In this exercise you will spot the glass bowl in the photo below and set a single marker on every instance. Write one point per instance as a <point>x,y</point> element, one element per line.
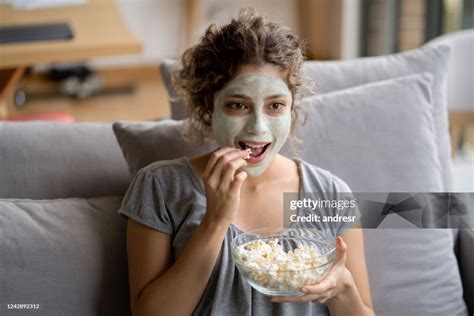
<point>279,261</point>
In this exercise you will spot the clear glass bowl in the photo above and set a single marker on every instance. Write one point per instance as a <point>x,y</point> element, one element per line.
<point>278,262</point>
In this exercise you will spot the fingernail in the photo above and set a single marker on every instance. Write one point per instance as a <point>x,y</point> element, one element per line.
<point>304,290</point>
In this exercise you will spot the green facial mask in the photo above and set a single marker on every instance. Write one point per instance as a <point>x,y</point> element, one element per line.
<point>257,123</point>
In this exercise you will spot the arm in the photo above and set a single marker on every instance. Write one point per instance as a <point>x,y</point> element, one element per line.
<point>355,297</point>
<point>159,287</point>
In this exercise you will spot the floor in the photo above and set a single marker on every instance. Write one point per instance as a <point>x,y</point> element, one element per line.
<point>147,100</point>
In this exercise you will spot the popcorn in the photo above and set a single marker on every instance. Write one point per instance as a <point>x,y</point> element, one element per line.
<point>249,151</point>
<point>279,270</point>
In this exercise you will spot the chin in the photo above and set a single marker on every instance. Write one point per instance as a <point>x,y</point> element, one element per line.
<point>255,171</point>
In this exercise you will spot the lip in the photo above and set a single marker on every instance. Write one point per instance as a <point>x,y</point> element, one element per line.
<point>252,143</point>
<point>257,160</point>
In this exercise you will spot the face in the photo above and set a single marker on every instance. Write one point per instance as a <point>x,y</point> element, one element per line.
<point>253,111</point>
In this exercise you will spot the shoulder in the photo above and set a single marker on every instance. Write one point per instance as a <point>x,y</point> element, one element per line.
<point>169,176</point>
<point>322,178</point>
<point>164,167</point>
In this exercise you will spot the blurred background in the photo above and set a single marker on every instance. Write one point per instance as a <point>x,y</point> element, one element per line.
<point>102,64</point>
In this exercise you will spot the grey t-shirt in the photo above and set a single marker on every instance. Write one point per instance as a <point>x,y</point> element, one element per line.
<point>168,196</point>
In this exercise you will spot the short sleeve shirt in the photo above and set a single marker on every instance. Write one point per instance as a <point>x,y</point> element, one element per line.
<point>168,196</point>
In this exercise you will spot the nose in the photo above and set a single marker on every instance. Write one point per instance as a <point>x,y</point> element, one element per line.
<point>257,125</point>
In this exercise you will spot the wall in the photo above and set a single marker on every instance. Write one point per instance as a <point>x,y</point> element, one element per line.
<point>350,29</point>
<point>161,24</point>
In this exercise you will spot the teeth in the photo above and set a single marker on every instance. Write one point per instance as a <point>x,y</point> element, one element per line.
<point>258,146</point>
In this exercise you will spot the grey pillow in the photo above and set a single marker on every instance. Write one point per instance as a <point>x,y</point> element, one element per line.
<point>413,272</point>
<point>67,255</point>
<point>378,137</point>
<point>46,160</point>
<point>145,142</point>
<point>336,75</point>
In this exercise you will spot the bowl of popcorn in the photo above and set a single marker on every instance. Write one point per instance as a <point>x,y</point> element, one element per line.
<point>280,261</point>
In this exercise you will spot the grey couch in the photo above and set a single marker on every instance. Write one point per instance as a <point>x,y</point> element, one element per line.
<point>62,242</point>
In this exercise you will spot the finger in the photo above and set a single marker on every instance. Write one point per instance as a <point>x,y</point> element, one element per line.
<point>320,288</point>
<point>213,160</point>
<point>238,180</point>
<point>321,300</point>
<point>229,171</point>
<point>224,160</point>
<point>341,250</point>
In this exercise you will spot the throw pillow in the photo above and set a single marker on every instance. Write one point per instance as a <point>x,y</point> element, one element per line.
<point>145,142</point>
<point>67,255</point>
<point>378,137</point>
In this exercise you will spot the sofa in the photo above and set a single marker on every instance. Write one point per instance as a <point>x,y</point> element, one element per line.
<point>379,123</point>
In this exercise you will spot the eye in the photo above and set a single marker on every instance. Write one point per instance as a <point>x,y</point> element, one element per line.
<point>236,106</point>
<point>277,106</point>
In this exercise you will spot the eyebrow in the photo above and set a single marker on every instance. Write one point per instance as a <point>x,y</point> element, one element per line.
<point>239,96</point>
<point>243,96</point>
<point>276,96</point>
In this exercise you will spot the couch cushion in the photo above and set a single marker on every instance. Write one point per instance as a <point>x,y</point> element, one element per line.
<point>378,137</point>
<point>460,95</point>
<point>330,76</point>
<point>67,255</point>
<point>145,142</point>
<point>335,75</point>
<point>44,160</point>
<point>413,272</point>
<point>384,134</point>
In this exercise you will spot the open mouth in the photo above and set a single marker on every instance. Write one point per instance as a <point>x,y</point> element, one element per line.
<point>257,150</point>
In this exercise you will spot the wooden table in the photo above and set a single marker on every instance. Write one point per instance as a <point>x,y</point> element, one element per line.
<point>98,31</point>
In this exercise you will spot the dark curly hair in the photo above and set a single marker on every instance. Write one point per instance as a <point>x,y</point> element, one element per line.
<point>217,57</point>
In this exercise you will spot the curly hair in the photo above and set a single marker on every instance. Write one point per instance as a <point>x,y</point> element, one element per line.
<point>217,57</point>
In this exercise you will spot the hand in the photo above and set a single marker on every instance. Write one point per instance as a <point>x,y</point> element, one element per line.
<point>222,183</point>
<point>333,284</point>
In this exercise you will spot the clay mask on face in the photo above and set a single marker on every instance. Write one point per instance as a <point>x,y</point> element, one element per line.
<point>253,111</point>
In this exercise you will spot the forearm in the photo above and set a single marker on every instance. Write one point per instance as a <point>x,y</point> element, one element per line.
<point>349,302</point>
<point>178,290</point>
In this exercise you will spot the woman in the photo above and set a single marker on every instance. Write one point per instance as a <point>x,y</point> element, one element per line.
<point>241,82</point>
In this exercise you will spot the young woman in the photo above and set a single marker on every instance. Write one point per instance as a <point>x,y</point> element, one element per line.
<point>241,82</point>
